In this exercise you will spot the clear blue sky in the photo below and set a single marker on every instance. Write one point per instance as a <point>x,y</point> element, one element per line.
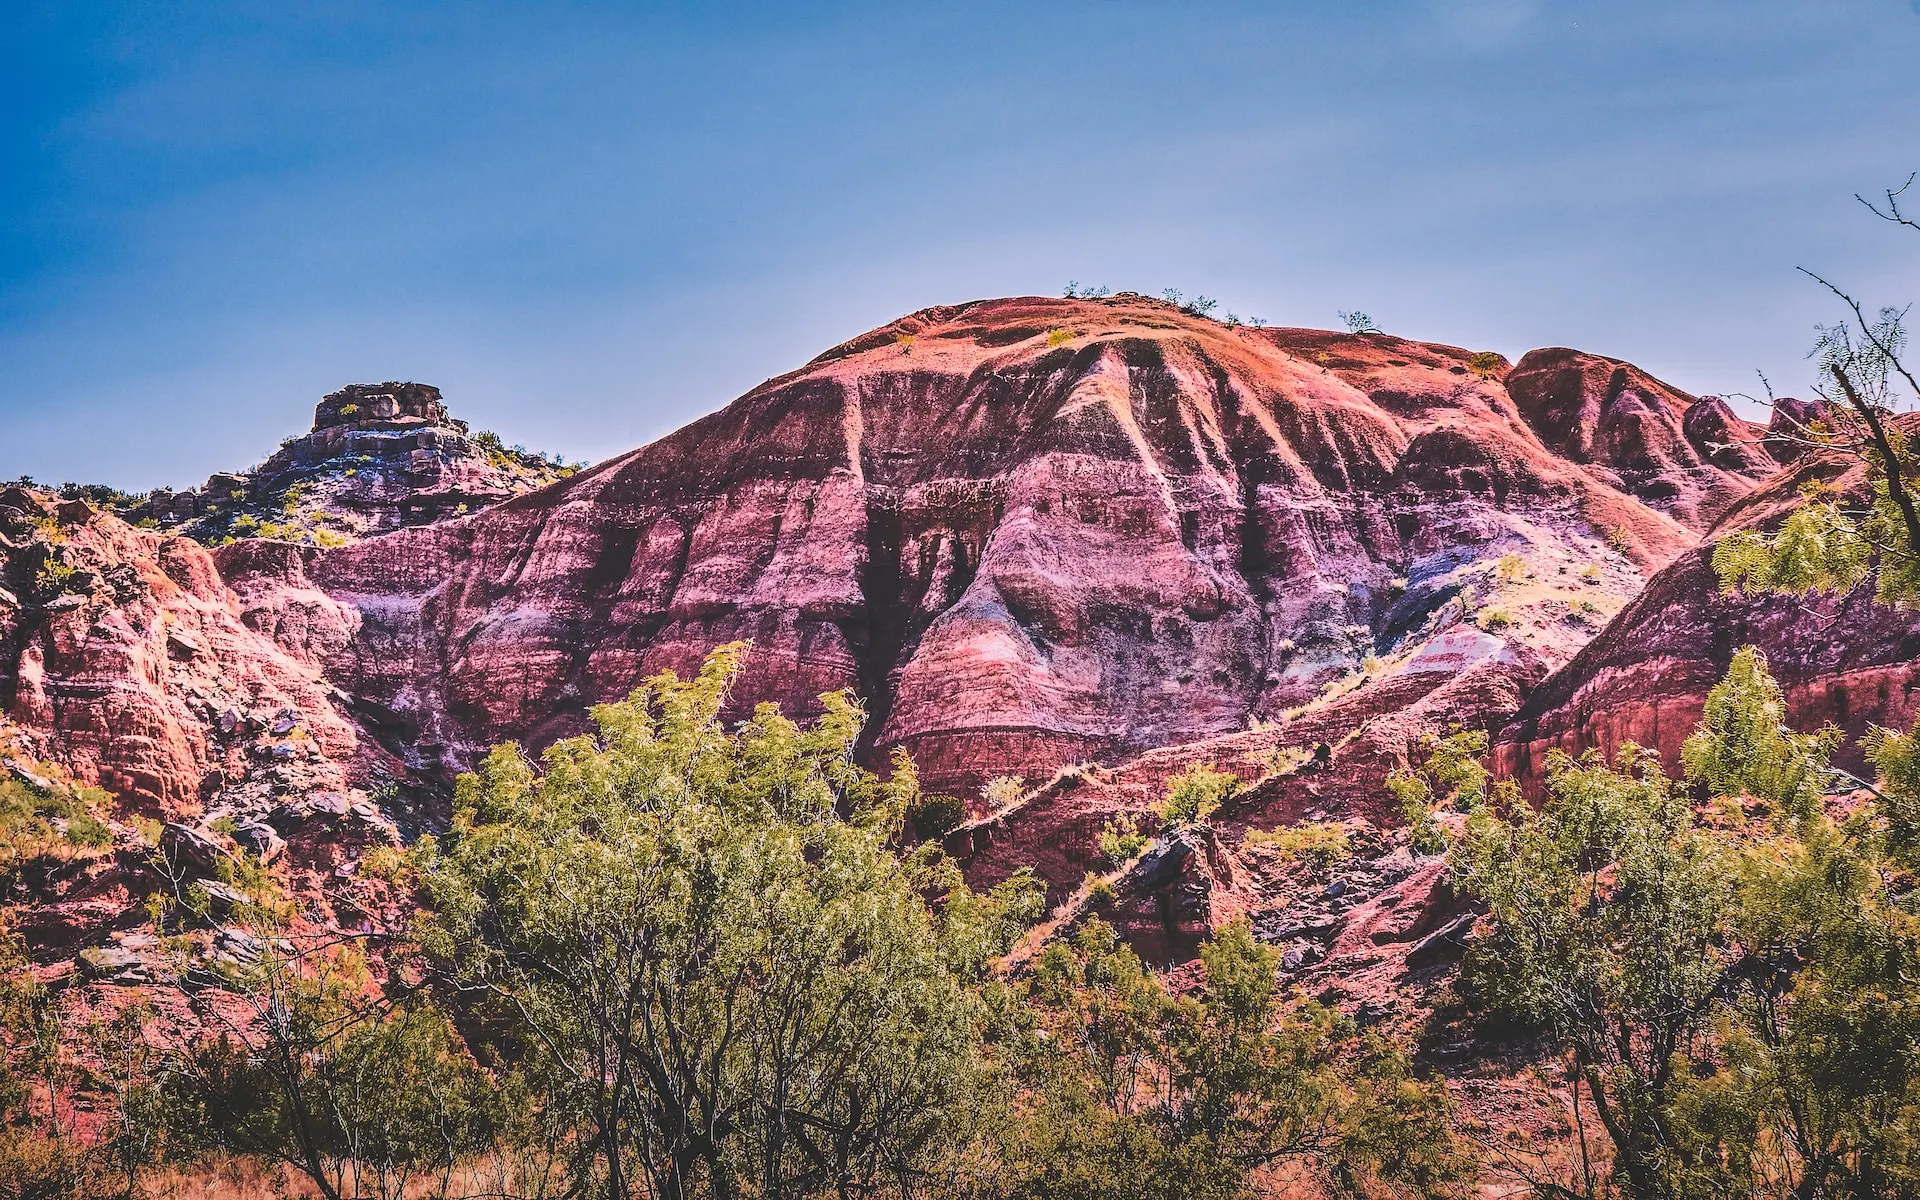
<point>591,223</point>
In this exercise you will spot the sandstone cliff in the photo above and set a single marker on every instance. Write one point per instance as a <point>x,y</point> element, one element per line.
<point>1029,533</point>
<point>1032,531</point>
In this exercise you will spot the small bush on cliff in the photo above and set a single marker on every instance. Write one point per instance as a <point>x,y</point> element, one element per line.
<point>1485,363</point>
<point>54,576</point>
<point>1493,620</point>
<point>1195,794</point>
<point>1321,843</point>
<point>1003,792</point>
<point>49,825</point>
<point>1449,777</point>
<point>1120,839</point>
<point>936,816</point>
<point>1358,323</point>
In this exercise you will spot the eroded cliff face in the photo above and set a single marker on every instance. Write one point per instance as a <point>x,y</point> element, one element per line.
<point>1841,659</point>
<point>1032,531</point>
<point>124,656</point>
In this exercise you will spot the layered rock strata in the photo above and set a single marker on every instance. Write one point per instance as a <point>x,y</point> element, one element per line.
<point>1032,531</point>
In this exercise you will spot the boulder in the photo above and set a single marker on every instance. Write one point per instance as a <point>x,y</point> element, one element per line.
<point>222,898</point>
<point>75,512</point>
<point>24,501</point>
<point>194,850</point>
<point>261,840</point>
<point>114,964</point>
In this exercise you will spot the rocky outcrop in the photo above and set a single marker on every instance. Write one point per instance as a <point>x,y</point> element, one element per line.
<point>124,656</point>
<point>1690,458</point>
<point>379,457</point>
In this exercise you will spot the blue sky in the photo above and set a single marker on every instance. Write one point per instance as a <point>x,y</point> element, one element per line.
<point>590,223</point>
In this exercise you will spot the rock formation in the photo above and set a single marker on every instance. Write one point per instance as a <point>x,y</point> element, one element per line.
<point>1028,533</point>
<point>1033,531</point>
<point>379,457</point>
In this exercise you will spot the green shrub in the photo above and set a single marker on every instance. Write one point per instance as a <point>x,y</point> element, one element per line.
<point>54,576</point>
<point>1003,792</point>
<point>1195,794</point>
<point>1100,893</point>
<point>1322,843</point>
<point>1121,839</point>
<point>936,816</point>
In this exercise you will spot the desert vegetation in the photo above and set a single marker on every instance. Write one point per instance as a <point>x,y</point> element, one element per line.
<point>678,959</point>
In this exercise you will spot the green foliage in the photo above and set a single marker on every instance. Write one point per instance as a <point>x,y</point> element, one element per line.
<point>1003,792</point>
<point>1057,338</point>
<point>1195,794</point>
<point>365,1102</point>
<point>1321,843</point>
<point>936,816</point>
<point>1817,549</point>
<point>1358,323</point>
<point>1121,839</point>
<point>1740,1005</point>
<point>1608,909</point>
<point>1198,306</point>
<point>1133,1093</point>
<point>1493,620</point>
<point>100,494</point>
<point>709,956</point>
<point>1485,363</point>
<point>38,1156</point>
<point>54,577</point>
<point>52,824</point>
<point>1742,744</point>
<point>1511,568</point>
<point>1449,776</point>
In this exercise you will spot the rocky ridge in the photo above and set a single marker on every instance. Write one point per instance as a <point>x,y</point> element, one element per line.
<point>1645,679</point>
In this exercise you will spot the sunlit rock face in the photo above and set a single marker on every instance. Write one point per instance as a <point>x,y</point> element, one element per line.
<point>1033,531</point>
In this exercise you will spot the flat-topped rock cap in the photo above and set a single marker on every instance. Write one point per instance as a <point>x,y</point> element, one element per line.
<point>380,402</point>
